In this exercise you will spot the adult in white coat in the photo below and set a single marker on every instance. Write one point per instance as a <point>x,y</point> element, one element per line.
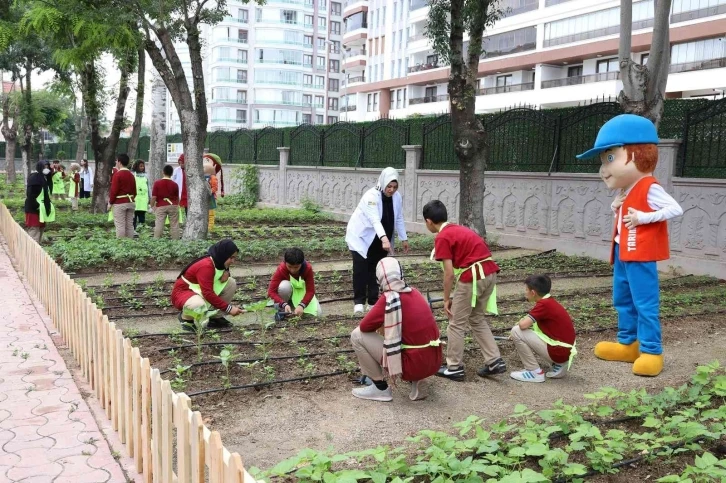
<point>370,235</point>
<point>86,180</point>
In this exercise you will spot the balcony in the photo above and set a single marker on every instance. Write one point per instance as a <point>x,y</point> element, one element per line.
<point>232,39</point>
<point>349,108</point>
<point>417,4</point>
<point>290,2</point>
<point>313,86</point>
<point>280,82</point>
<point>511,11</point>
<point>526,86</point>
<point>351,26</point>
<point>549,3</point>
<point>284,22</point>
<point>333,89</point>
<point>700,65</point>
<point>700,13</point>
<point>592,34</point>
<point>281,62</point>
<point>229,101</point>
<point>428,99</point>
<point>231,80</point>
<point>232,60</point>
<point>354,52</point>
<point>424,67</point>
<point>353,80</point>
<point>580,79</point>
<point>229,119</point>
<point>236,20</point>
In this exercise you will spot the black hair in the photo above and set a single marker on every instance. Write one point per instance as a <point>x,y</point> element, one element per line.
<point>137,163</point>
<point>539,283</point>
<point>435,211</point>
<point>168,170</point>
<point>294,256</point>
<point>123,158</point>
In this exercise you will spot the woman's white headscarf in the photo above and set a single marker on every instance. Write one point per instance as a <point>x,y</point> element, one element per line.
<point>387,175</point>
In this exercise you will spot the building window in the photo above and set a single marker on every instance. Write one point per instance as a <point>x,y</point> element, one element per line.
<point>375,101</point>
<point>335,8</point>
<point>333,104</point>
<point>321,43</point>
<point>307,79</point>
<point>242,76</point>
<point>332,119</point>
<point>430,92</point>
<point>336,47</point>
<point>574,71</point>
<point>644,59</point>
<point>308,41</point>
<point>608,65</point>
<point>321,62</point>
<point>307,118</point>
<point>309,20</point>
<point>242,36</point>
<point>322,22</point>
<point>242,97</point>
<point>289,16</point>
<point>242,56</point>
<point>395,9</point>
<point>319,119</point>
<point>307,99</point>
<point>322,4</point>
<point>393,100</point>
<point>243,16</point>
<point>319,81</point>
<point>399,96</point>
<point>319,101</point>
<point>370,102</point>
<point>333,85</point>
<point>241,116</point>
<point>334,66</point>
<point>335,28</point>
<point>308,60</point>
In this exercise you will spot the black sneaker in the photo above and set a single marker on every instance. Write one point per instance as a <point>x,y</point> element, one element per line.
<point>496,367</point>
<point>187,325</point>
<point>218,323</point>
<point>455,374</point>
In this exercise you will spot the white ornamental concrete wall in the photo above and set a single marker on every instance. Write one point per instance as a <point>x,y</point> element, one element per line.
<point>568,212</point>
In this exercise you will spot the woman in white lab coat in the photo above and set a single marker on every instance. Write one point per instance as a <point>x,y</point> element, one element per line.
<point>370,235</point>
<point>86,180</point>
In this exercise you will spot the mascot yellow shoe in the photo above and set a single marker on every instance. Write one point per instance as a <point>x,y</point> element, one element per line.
<point>615,351</point>
<point>648,365</point>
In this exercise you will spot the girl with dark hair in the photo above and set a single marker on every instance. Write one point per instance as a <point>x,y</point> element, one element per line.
<point>38,208</point>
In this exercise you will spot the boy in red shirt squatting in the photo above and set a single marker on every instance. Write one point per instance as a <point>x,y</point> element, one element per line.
<point>628,149</point>
<point>546,331</point>
<point>468,262</point>
<point>292,287</point>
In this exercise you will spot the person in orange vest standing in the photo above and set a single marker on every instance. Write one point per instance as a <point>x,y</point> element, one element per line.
<point>627,146</point>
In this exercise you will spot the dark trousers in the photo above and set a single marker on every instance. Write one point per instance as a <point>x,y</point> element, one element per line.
<point>365,285</point>
<point>140,217</point>
<point>81,191</point>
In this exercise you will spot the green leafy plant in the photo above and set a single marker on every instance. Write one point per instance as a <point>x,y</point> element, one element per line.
<point>200,318</point>
<point>179,383</point>
<point>226,355</point>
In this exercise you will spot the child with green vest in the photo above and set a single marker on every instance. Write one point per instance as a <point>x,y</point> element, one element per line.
<point>59,185</point>
<point>292,287</point>
<point>74,191</point>
<point>142,193</point>
<point>546,331</point>
<point>38,208</point>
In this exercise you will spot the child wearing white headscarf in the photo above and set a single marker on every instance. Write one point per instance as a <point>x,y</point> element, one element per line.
<point>370,237</point>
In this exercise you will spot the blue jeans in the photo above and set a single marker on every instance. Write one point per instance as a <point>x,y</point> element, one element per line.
<point>636,297</point>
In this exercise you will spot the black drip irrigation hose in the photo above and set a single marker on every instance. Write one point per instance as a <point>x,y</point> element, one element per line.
<point>263,359</point>
<point>263,384</point>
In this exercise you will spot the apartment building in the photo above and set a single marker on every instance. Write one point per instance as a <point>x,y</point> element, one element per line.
<point>543,53</point>
<point>274,65</point>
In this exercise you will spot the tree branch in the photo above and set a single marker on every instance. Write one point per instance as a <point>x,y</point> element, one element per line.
<point>626,32</point>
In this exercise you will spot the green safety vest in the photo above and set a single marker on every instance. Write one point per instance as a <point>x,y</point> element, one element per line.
<point>59,187</point>
<point>142,193</point>
<point>42,215</point>
<point>72,189</point>
<point>550,341</point>
<point>476,269</point>
<point>298,292</point>
<point>182,216</point>
<point>217,287</point>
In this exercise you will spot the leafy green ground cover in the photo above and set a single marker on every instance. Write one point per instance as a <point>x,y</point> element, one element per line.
<point>677,429</point>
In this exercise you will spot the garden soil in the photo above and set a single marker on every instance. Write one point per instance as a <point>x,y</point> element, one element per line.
<point>273,424</point>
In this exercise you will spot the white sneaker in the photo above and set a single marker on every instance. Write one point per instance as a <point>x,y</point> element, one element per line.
<point>418,391</point>
<point>358,309</point>
<point>528,376</point>
<point>372,393</point>
<point>558,371</point>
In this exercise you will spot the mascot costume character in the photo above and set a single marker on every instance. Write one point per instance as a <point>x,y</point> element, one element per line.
<point>628,149</point>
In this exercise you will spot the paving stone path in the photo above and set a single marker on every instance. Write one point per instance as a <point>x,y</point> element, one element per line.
<point>47,431</point>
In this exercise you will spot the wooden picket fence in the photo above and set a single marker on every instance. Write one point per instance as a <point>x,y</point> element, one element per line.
<point>155,423</point>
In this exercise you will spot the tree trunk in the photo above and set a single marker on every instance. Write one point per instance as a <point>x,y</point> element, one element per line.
<point>27,140</point>
<point>26,151</point>
<point>10,142</point>
<point>136,127</point>
<point>104,149</point>
<point>468,132</point>
<point>644,86</point>
<point>81,133</point>
<point>157,155</point>
<point>41,142</point>
<point>197,222</point>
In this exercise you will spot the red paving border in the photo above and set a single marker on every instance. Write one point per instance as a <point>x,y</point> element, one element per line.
<point>48,432</point>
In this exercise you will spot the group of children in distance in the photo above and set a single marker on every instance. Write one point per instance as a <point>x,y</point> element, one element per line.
<point>129,197</point>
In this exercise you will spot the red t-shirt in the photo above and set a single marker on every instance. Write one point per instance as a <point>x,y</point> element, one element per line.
<point>201,273</point>
<point>282,273</point>
<point>165,189</point>
<point>463,247</point>
<point>183,202</point>
<point>123,183</point>
<point>417,328</point>
<point>554,321</point>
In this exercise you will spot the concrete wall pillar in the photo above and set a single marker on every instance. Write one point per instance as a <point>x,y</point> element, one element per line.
<point>410,188</point>
<point>282,180</point>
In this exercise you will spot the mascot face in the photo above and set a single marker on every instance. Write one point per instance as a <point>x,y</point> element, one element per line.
<point>208,167</point>
<point>618,170</point>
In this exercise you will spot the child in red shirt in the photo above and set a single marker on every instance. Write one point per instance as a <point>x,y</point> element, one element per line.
<point>547,331</point>
<point>292,287</point>
<point>468,262</point>
<point>165,203</point>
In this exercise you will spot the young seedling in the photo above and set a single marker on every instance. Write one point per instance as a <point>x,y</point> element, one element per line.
<point>200,319</point>
<point>107,281</point>
<point>179,382</point>
<point>226,355</point>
